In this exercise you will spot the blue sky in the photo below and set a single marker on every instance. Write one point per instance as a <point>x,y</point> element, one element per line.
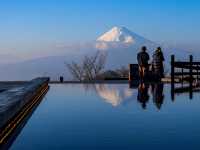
<point>26,25</point>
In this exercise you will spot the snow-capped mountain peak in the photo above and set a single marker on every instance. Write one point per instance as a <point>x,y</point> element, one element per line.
<point>119,37</point>
<point>118,34</point>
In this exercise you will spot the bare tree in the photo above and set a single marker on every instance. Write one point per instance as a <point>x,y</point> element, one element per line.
<point>89,68</point>
<point>76,71</point>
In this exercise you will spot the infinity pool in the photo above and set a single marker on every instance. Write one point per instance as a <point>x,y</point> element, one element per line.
<point>112,116</point>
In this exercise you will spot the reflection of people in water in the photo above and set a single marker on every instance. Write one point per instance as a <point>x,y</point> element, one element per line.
<point>157,93</point>
<point>143,95</point>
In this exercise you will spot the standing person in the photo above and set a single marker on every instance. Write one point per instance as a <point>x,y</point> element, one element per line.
<point>143,59</point>
<point>157,63</point>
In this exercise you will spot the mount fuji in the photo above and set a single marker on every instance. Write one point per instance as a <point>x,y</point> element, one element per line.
<point>120,45</point>
<point>121,37</point>
<point>119,34</point>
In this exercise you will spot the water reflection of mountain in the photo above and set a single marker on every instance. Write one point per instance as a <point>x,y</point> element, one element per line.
<point>117,94</point>
<point>120,94</point>
<point>114,94</point>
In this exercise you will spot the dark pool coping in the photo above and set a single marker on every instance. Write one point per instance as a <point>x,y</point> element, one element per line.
<point>91,82</point>
<point>15,105</point>
<point>164,80</point>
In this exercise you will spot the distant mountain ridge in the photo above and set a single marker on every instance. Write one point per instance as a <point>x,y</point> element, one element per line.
<point>120,44</point>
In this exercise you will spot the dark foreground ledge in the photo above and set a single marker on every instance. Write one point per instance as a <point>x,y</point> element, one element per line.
<point>16,103</point>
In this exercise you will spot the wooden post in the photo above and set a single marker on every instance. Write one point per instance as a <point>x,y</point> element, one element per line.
<point>182,76</point>
<point>172,76</point>
<point>172,68</point>
<point>191,61</point>
<point>191,76</point>
<point>130,73</point>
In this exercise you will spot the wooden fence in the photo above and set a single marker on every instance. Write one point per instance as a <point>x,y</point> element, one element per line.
<point>186,69</point>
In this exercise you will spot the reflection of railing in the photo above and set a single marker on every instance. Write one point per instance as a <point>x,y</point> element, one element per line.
<point>185,89</point>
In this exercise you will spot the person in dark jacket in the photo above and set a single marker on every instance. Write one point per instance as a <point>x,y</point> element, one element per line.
<point>157,63</point>
<point>143,59</point>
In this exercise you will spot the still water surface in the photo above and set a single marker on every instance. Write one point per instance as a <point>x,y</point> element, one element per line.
<point>112,116</point>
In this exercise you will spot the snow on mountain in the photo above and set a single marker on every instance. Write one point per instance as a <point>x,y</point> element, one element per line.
<point>117,34</point>
<point>120,37</point>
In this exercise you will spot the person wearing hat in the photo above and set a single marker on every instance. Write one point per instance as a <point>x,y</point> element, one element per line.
<point>157,63</point>
<point>143,59</point>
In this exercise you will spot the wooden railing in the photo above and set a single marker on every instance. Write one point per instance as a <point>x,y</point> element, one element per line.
<point>187,70</point>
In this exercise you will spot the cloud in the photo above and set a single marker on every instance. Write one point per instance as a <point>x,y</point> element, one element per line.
<point>112,45</point>
<point>101,45</point>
